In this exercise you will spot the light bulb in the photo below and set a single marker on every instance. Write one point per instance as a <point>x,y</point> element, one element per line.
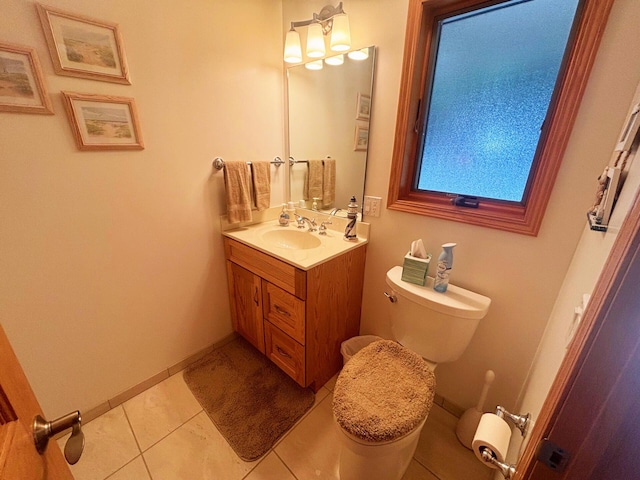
<point>315,65</point>
<point>340,33</point>
<point>362,54</point>
<point>335,60</point>
<point>315,41</point>
<point>292,48</point>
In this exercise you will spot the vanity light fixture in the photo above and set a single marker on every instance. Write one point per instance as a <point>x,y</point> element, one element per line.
<point>330,20</point>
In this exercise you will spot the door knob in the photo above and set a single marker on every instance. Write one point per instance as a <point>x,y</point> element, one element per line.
<point>43,431</point>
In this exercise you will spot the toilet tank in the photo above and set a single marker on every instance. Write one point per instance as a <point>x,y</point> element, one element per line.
<point>438,326</point>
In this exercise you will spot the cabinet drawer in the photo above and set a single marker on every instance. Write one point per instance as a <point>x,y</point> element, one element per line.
<point>285,352</point>
<point>283,310</point>
<point>280,273</point>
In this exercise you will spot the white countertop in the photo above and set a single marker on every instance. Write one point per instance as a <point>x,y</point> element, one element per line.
<point>330,245</point>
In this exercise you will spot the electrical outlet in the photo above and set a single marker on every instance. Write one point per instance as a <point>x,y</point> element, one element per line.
<point>372,206</point>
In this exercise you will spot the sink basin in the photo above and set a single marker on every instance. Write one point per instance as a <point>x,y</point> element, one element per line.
<point>292,239</point>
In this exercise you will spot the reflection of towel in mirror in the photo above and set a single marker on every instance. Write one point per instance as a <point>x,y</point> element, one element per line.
<point>313,184</point>
<point>237,188</point>
<point>329,182</point>
<point>261,176</point>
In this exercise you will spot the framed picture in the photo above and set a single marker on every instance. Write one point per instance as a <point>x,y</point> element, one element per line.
<point>84,47</point>
<point>102,122</point>
<point>363,107</point>
<point>362,138</point>
<point>21,82</point>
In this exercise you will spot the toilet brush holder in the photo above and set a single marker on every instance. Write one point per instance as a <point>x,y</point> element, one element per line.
<point>468,423</point>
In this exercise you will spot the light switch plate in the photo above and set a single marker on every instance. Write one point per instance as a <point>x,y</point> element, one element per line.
<point>372,206</point>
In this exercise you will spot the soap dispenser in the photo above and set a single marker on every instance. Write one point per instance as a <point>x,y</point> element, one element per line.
<point>284,216</point>
<point>352,215</point>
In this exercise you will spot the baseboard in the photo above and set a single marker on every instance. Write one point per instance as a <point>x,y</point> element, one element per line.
<point>104,407</point>
<point>449,406</point>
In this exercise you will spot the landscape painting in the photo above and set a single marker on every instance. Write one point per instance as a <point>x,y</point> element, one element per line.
<point>21,87</point>
<point>103,122</point>
<point>88,48</point>
<point>84,47</point>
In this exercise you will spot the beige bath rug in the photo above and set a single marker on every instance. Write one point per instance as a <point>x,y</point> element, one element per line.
<point>251,401</point>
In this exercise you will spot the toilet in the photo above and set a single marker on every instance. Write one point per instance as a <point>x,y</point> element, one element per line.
<point>384,393</point>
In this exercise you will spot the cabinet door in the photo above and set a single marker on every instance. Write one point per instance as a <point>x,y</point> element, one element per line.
<point>246,309</point>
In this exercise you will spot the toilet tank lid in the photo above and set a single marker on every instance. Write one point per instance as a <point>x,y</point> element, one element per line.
<point>456,301</point>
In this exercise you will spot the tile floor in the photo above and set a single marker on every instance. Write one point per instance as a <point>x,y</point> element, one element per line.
<point>163,434</point>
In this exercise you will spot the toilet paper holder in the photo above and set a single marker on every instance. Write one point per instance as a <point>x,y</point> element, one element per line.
<point>521,422</point>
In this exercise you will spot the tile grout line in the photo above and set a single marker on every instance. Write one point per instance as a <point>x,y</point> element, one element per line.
<point>285,464</point>
<point>308,412</point>
<point>173,431</point>
<point>137,443</point>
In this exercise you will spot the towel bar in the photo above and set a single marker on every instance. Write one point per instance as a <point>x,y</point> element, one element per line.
<point>293,161</point>
<point>218,163</point>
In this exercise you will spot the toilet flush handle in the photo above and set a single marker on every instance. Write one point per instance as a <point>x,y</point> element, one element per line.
<point>392,298</point>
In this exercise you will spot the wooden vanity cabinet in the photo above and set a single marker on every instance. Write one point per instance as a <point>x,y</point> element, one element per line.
<point>297,318</point>
<point>246,309</point>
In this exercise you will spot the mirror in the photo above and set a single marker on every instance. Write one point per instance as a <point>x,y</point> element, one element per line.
<point>329,116</point>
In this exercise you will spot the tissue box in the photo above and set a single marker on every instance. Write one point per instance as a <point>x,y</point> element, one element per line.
<point>414,270</point>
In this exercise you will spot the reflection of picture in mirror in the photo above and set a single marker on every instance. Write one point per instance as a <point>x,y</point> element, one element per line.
<point>362,139</point>
<point>363,106</point>
<point>321,115</point>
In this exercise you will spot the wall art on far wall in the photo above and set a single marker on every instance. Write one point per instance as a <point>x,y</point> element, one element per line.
<point>84,47</point>
<point>22,88</point>
<point>362,138</point>
<point>101,122</point>
<point>363,107</point>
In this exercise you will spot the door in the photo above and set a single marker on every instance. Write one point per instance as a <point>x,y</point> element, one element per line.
<point>18,407</point>
<point>591,411</point>
<point>245,296</point>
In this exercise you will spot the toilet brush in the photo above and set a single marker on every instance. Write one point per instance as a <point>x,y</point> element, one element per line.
<point>468,423</point>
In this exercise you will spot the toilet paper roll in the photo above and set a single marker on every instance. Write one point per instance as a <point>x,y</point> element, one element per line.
<point>493,433</point>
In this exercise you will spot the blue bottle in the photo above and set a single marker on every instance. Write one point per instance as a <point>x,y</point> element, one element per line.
<point>445,262</point>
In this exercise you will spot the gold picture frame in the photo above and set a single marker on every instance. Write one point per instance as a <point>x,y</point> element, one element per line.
<point>361,142</point>
<point>102,122</point>
<point>84,47</point>
<point>22,87</point>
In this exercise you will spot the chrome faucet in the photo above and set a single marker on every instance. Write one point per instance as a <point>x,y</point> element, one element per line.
<point>335,211</point>
<point>300,220</point>
<point>323,227</point>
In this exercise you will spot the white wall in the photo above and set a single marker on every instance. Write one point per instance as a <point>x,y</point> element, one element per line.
<point>112,262</point>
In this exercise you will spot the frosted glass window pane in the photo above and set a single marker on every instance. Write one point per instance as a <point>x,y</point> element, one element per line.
<point>495,73</point>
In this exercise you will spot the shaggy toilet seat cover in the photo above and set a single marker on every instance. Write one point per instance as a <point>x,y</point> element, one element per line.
<point>383,392</point>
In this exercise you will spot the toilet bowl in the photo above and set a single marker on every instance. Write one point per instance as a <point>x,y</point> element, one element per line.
<point>384,393</point>
<point>380,403</point>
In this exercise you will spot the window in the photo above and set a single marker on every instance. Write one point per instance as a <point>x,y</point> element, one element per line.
<point>467,136</point>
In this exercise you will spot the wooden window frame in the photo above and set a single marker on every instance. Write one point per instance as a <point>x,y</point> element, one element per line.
<point>523,218</point>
